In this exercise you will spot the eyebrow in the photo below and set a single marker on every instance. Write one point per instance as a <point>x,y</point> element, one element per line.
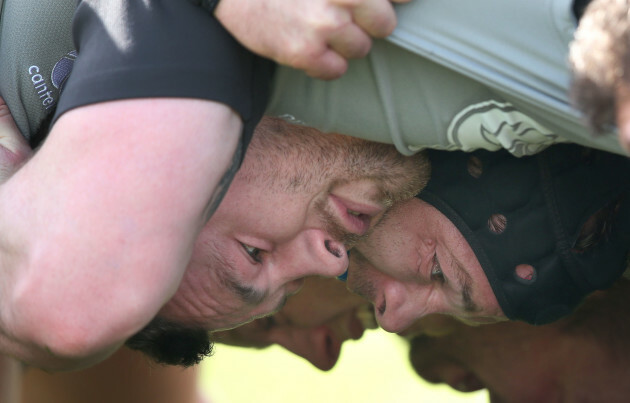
<point>250,295</point>
<point>245,293</point>
<point>466,282</point>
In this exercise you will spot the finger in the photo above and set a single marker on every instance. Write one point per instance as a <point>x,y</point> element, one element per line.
<point>14,149</point>
<point>376,17</point>
<point>351,42</point>
<point>10,136</point>
<point>328,66</point>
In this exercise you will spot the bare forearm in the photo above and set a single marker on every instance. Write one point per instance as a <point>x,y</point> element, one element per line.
<point>102,220</point>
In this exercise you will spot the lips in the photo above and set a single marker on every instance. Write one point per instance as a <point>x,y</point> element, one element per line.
<point>466,383</point>
<point>336,334</point>
<point>365,315</point>
<point>329,350</point>
<point>354,217</point>
<point>294,286</point>
<point>327,339</point>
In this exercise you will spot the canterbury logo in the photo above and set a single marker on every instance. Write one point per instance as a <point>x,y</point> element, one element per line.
<point>58,77</point>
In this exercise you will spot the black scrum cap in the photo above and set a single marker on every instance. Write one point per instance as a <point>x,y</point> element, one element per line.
<point>530,211</point>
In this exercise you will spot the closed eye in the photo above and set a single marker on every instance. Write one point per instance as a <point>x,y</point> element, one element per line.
<point>436,271</point>
<point>253,252</point>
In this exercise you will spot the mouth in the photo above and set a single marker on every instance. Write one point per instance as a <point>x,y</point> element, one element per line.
<point>294,286</point>
<point>356,218</point>
<point>332,350</point>
<point>365,316</point>
<point>351,328</point>
<point>466,383</point>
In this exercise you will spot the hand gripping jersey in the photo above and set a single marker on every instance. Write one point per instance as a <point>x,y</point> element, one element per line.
<point>454,75</point>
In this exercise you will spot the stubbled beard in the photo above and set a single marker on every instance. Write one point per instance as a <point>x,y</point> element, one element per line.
<point>298,159</point>
<point>358,278</point>
<point>169,343</point>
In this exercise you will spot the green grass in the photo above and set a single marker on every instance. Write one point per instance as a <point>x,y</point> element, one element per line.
<point>372,370</point>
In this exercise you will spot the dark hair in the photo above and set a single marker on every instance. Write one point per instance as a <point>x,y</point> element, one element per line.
<point>169,343</point>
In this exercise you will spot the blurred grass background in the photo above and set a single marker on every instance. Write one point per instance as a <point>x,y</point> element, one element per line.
<point>374,369</point>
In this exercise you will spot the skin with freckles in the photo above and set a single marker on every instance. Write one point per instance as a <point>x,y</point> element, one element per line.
<point>299,201</point>
<point>576,359</point>
<point>416,263</point>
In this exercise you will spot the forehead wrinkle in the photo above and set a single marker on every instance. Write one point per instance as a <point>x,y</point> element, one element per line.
<point>227,277</point>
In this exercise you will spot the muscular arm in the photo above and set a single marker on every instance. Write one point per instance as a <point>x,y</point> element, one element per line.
<point>98,226</point>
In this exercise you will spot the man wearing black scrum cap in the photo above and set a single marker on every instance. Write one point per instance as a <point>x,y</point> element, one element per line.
<point>494,237</point>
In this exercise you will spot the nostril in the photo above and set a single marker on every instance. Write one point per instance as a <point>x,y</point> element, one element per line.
<point>382,308</point>
<point>332,249</point>
<point>329,345</point>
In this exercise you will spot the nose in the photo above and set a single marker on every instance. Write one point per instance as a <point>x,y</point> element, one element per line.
<point>311,253</point>
<point>403,304</point>
<point>318,345</point>
<point>458,377</point>
<point>397,304</point>
<point>435,360</point>
<point>452,374</point>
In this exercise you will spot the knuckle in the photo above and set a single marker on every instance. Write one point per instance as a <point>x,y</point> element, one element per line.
<point>383,25</point>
